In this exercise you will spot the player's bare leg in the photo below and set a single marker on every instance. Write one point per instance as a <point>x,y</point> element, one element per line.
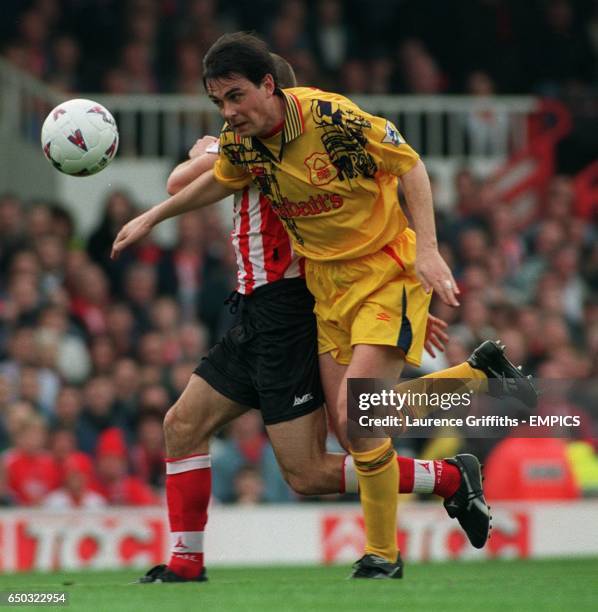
<point>189,424</point>
<point>300,449</point>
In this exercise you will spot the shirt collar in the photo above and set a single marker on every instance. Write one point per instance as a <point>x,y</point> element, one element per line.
<point>294,125</point>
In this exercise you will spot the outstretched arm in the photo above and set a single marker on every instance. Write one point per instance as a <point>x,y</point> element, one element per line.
<point>199,162</point>
<point>430,267</point>
<point>202,191</point>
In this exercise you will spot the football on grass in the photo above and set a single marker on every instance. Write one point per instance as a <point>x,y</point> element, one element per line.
<point>79,137</point>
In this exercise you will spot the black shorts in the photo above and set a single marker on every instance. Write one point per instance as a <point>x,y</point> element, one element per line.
<point>269,360</point>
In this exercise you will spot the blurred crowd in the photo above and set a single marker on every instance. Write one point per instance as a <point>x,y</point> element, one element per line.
<point>94,351</point>
<point>393,46</point>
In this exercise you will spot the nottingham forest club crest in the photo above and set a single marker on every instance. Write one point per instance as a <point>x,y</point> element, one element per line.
<point>320,170</point>
<point>392,135</point>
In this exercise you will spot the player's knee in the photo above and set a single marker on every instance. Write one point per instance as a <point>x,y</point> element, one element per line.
<point>184,431</point>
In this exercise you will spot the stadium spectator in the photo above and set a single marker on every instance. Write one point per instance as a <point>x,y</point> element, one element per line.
<point>12,228</point>
<point>72,360</point>
<point>120,327</point>
<point>68,409</point>
<point>246,445</point>
<point>51,254</point>
<point>141,289</point>
<point>118,209</point>
<point>193,339</point>
<point>23,300</point>
<point>332,39</point>
<point>165,317</point>
<point>179,376</point>
<point>565,263</point>
<point>354,77</point>
<point>148,455</point>
<point>126,384</point>
<point>16,414</point>
<point>136,65</point>
<point>63,447</point>
<point>113,482</point>
<point>420,73</point>
<point>63,69</point>
<point>103,355</point>
<point>100,412</point>
<point>487,129</point>
<point>90,299</point>
<point>40,385</point>
<point>154,399</point>
<point>39,220</point>
<point>75,491</point>
<point>189,69</point>
<point>248,486</point>
<point>30,469</point>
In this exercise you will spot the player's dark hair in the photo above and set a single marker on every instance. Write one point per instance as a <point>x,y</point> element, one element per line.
<point>285,75</point>
<point>239,53</point>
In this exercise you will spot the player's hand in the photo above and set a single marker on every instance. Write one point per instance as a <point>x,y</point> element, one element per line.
<point>435,335</point>
<point>200,146</point>
<point>434,274</point>
<point>134,230</point>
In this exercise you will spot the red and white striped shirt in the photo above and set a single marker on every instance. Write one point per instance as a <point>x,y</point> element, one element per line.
<point>262,246</point>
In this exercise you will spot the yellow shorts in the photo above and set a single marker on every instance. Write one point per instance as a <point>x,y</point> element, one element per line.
<point>375,299</point>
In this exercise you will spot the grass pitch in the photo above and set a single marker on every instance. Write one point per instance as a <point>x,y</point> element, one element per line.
<point>567,584</point>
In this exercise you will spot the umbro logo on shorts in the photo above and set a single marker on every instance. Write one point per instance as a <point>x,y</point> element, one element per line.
<point>383,316</point>
<point>304,398</point>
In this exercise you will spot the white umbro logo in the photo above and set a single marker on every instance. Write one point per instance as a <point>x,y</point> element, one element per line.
<point>304,398</point>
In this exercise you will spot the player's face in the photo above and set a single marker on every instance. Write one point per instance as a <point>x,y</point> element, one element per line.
<point>248,109</point>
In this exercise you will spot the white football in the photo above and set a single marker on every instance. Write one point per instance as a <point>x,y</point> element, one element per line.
<point>79,137</point>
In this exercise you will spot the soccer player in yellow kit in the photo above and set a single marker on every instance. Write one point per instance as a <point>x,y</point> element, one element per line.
<point>331,173</point>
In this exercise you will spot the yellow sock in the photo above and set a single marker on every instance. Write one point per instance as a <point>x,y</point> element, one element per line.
<point>378,477</point>
<point>457,379</point>
<point>471,378</point>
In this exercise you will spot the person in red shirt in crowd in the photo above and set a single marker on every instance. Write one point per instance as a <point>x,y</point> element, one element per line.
<point>30,469</point>
<point>63,447</point>
<point>113,481</point>
<point>76,491</point>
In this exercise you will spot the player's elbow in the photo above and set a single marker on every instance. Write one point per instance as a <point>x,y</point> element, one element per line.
<point>173,186</point>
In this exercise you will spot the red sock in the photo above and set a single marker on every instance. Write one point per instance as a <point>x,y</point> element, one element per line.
<point>188,487</point>
<point>417,476</point>
<point>447,480</point>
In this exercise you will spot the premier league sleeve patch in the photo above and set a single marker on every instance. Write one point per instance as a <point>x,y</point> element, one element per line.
<point>392,135</point>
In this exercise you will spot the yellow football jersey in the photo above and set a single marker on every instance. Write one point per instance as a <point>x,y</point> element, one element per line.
<point>331,174</point>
